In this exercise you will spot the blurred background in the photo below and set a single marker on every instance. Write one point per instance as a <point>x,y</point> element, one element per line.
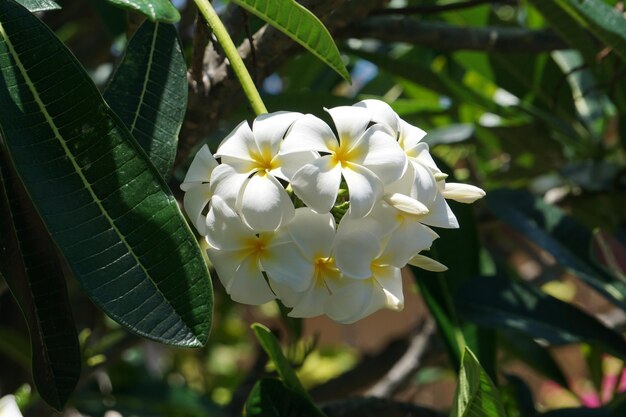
<point>520,98</point>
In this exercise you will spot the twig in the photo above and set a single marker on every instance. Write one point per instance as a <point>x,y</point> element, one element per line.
<point>376,407</point>
<point>442,36</point>
<point>434,9</point>
<point>409,363</point>
<point>197,73</point>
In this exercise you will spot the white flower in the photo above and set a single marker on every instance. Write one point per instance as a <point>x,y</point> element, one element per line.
<point>314,234</point>
<point>372,282</point>
<point>248,177</point>
<point>197,188</point>
<point>367,158</point>
<point>463,193</point>
<point>240,255</point>
<point>8,407</point>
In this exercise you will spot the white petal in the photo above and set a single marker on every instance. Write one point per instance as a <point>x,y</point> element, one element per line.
<point>424,185</point>
<point>427,263</point>
<point>390,280</point>
<point>310,303</point>
<point>224,228</point>
<point>312,232</point>
<point>317,183</point>
<point>351,123</point>
<point>248,285</point>
<point>382,113</point>
<point>286,265</point>
<point>8,407</point>
<point>270,128</point>
<point>406,241</point>
<point>226,263</point>
<point>463,193</point>
<point>200,169</point>
<point>381,221</point>
<point>425,158</point>
<point>364,187</point>
<point>382,154</point>
<point>227,183</point>
<point>195,201</point>
<point>406,204</point>
<point>410,137</point>
<point>355,301</point>
<point>264,203</point>
<point>354,252</point>
<point>440,214</point>
<point>291,162</point>
<point>308,133</point>
<point>238,144</point>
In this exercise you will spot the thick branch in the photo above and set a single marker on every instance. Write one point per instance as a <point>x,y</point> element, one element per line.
<point>376,407</point>
<point>272,50</point>
<point>442,36</point>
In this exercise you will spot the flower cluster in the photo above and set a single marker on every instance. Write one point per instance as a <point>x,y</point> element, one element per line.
<point>322,219</point>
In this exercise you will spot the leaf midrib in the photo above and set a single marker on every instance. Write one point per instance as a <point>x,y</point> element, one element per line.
<point>146,79</point>
<point>77,168</point>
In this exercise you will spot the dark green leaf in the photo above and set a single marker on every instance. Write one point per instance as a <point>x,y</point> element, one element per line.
<point>562,236</point>
<point>155,10</point>
<point>270,345</point>
<point>148,91</point>
<point>499,302</point>
<point>14,346</point>
<point>475,395</point>
<point>34,274</point>
<point>604,21</point>
<point>101,199</point>
<point>300,25</point>
<point>272,398</point>
<point>533,354</point>
<point>39,5</point>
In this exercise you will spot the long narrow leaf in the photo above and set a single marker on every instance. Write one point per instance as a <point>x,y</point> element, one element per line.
<point>300,25</point>
<point>39,5</point>
<point>103,202</point>
<point>155,10</point>
<point>149,91</point>
<point>35,277</point>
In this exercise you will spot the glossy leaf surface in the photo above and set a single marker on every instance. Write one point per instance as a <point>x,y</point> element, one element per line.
<point>300,25</point>
<point>101,199</point>
<point>148,91</point>
<point>155,10</point>
<point>475,395</point>
<point>34,274</point>
<point>39,5</point>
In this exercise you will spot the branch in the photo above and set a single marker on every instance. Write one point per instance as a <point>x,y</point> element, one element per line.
<point>442,36</point>
<point>272,48</point>
<point>376,407</point>
<point>434,9</point>
<point>409,363</point>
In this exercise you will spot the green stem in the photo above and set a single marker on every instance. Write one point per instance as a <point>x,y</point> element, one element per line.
<point>205,7</point>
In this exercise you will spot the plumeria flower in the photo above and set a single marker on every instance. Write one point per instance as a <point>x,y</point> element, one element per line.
<point>197,187</point>
<point>423,180</point>
<point>241,255</point>
<point>251,167</point>
<point>314,235</point>
<point>366,157</point>
<point>8,407</point>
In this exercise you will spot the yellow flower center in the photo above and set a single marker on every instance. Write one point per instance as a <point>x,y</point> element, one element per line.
<point>325,269</point>
<point>256,245</point>
<point>264,162</point>
<point>341,154</point>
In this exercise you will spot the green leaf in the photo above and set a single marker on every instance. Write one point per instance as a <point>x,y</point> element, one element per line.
<point>567,26</point>
<point>533,354</point>
<point>103,202</point>
<point>148,91</point>
<point>562,236</point>
<point>272,398</point>
<point>39,5</point>
<point>14,346</point>
<point>155,10</point>
<point>501,303</point>
<point>270,345</point>
<point>604,21</point>
<point>300,25</point>
<point>475,395</point>
<point>35,277</point>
